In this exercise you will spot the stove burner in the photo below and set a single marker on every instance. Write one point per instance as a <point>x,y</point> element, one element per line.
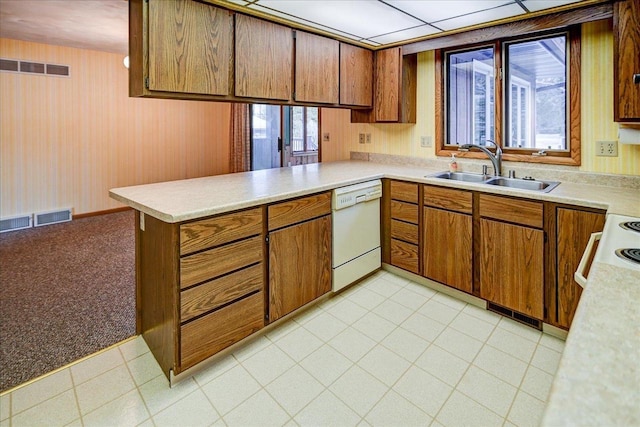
<point>631,225</point>
<point>629,254</point>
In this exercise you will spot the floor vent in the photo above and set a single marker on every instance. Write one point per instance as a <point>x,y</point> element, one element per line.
<point>16,223</point>
<point>52,217</point>
<point>515,316</point>
<point>29,67</point>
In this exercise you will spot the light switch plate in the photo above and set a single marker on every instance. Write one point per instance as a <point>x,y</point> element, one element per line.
<point>326,137</point>
<point>425,141</point>
<point>368,138</point>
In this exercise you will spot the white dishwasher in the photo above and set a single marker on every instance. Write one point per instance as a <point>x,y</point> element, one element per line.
<point>356,232</point>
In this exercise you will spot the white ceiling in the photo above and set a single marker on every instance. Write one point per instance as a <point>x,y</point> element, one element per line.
<point>102,24</point>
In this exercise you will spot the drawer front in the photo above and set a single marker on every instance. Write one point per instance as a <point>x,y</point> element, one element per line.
<point>404,211</point>
<point>209,334</point>
<point>524,212</point>
<point>204,234</point>
<point>216,293</point>
<point>449,199</point>
<point>404,255</point>
<point>298,210</point>
<point>404,231</point>
<point>404,191</point>
<point>215,262</point>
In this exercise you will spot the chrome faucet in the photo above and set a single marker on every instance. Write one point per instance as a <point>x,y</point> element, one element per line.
<point>496,159</point>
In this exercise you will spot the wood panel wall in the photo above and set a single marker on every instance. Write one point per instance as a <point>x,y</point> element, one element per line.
<point>66,141</point>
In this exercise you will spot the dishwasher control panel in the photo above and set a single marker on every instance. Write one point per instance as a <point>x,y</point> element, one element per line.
<point>348,196</point>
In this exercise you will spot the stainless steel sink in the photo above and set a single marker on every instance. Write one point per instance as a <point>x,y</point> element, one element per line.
<point>524,184</point>
<point>461,176</point>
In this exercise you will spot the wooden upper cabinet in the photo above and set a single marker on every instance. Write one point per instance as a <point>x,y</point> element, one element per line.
<point>356,76</point>
<point>264,58</point>
<point>317,63</point>
<point>626,31</point>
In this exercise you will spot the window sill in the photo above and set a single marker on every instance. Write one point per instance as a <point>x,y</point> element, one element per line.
<point>525,158</point>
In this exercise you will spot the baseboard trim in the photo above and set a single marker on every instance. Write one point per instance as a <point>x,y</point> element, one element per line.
<point>98,213</point>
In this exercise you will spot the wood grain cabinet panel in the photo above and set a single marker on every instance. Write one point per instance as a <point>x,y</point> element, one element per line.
<point>518,211</point>
<point>626,62</point>
<point>356,76</point>
<point>404,231</point>
<point>404,211</point>
<point>405,256</point>
<point>190,47</point>
<point>264,59</point>
<point>404,191</point>
<point>297,210</point>
<point>317,68</point>
<point>448,198</point>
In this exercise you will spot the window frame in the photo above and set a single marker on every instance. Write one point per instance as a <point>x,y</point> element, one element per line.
<point>570,156</point>
<point>305,111</point>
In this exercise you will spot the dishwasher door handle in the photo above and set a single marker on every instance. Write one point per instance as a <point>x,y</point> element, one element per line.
<point>579,274</point>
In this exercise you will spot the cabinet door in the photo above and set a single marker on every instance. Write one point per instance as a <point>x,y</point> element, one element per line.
<point>299,265</point>
<point>574,228</point>
<point>447,252</point>
<point>190,47</point>
<point>264,58</point>
<point>387,85</point>
<point>512,267</point>
<point>317,61</point>
<point>356,75</point>
<point>626,30</point>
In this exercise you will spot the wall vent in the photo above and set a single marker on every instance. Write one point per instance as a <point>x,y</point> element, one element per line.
<point>52,217</point>
<point>16,223</point>
<point>515,315</point>
<point>30,67</point>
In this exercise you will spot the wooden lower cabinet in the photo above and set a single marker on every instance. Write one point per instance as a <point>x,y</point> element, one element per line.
<point>405,255</point>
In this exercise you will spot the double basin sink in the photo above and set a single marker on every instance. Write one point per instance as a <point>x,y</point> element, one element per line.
<point>522,184</point>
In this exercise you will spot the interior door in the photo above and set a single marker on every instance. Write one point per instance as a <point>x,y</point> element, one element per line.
<point>266,136</point>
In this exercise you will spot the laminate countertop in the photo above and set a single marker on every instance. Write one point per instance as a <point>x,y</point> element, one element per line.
<point>598,379</point>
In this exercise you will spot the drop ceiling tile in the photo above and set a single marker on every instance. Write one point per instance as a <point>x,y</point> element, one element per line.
<point>408,34</point>
<point>535,5</point>
<point>482,17</point>
<point>364,18</point>
<point>438,10</point>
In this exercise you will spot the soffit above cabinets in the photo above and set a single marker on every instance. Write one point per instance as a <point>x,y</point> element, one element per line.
<point>378,23</point>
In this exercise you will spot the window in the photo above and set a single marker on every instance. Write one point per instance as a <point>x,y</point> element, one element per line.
<point>304,129</point>
<point>522,94</point>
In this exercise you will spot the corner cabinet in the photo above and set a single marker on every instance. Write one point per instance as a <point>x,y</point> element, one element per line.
<point>626,71</point>
<point>317,64</point>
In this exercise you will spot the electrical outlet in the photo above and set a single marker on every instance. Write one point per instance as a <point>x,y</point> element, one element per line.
<point>361,138</point>
<point>368,138</point>
<point>425,141</point>
<point>607,148</point>
<point>326,137</point>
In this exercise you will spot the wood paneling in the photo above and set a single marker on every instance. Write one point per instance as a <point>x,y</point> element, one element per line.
<point>66,141</point>
<point>447,248</point>
<point>404,191</point>
<point>263,59</point>
<point>512,267</point>
<point>574,228</point>
<point>448,198</point>
<point>405,256</point>
<point>317,63</point>
<point>203,234</point>
<point>518,211</point>
<point>626,34</point>
<point>299,265</point>
<point>190,47</point>
<point>356,75</point>
<point>298,210</point>
<point>209,334</point>
<point>404,211</point>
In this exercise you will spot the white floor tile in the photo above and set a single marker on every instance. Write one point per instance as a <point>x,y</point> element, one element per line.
<point>420,289</point>
<point>104,388</point>
<point>552,342</point>
<point>268,364</point>
<point>423,390</point>
<point>96,365</point>
<point>422,326</point>
<point>520,329</point>
<point>410,299</point>
<point>526,411</point>
<point>436,310</point>
<point>5,406</point>
<point>482,314</point>
<point>374,326</point>
<point>127,410</point>
<point>442,365</point>
<point>487,390</point>
<point>144,368</point>
<point>75,423</point>
<point>325,326</point>
<point>38,391</point>
<point>230,389</point>
<point>347,311</point>
<point>251,347</point>
<point>282,329</point>
<point>294,389</point>
<point>472,326</point>
<point>312,312</point>
<point>216,369</point>
<point>394,278</point>
<point>58,411</point>
<point>299,344</point>
<point>327,410</point>
<point>405,344</point>
<point>459,344</point>
<point>392,311</point>
<point>384,287</point>
<point>546,359</point>
<point>501,365</point>
<point>395,410</point>
<point>352,343</point>
<point>358,389</point>
<point>366,298</point>
<point>326,364</point>
<point>192,410</point>
<point>260,410</point>
<point>158,395</point>
<point>512,344</point>
<point>537,383</point>
<point>133,348</point>
<point>384,365</point>
<point>461,411</point>
<point>452,302</point>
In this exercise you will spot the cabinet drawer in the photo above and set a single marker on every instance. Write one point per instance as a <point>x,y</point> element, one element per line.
<point>404,211</point>
<point>404,191</point>
<point>404,255</point>
<point>298,210</point>
<point>209,334</point>
<point>216,293</point>
<point>404,231</point>
<point>199,235</point>
<point>524,212</point>
<point>448,198</point>
<point>218,261</point>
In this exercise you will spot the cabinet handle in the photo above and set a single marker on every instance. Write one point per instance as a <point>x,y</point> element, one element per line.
<point>636,79</point>
<point>579,274</point>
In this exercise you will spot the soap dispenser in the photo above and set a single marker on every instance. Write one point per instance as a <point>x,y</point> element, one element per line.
<point>453,164</point>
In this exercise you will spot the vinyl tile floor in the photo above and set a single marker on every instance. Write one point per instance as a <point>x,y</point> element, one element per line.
<point>385,352</point>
